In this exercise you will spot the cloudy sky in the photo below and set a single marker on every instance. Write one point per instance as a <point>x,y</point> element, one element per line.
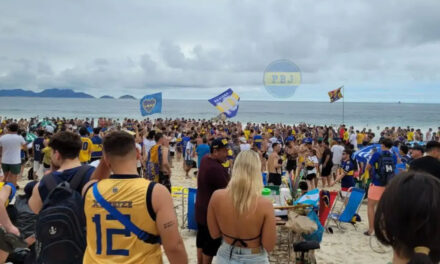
<point>380,50</point>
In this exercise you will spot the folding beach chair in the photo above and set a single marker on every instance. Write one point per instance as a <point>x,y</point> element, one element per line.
<point>179,191</point>
<point>188,200</point>
<point>352,207</point>
<point>327,201</point>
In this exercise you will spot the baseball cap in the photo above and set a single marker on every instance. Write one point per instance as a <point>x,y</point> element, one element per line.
<point>219,143</point>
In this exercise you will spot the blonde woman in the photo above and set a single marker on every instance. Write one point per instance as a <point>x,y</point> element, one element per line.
<point>241,216</point>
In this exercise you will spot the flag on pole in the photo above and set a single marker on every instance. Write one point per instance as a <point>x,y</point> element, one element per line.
<point>226,102</point>
<point>335,95</point>
<point>151,104</point>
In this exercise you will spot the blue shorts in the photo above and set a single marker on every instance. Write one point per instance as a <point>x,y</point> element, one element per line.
<point>241,255</point>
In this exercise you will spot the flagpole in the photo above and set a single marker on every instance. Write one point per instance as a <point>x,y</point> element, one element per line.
<point>343,103</point>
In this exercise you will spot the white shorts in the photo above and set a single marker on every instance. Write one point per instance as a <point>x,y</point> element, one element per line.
<point>38,169</point>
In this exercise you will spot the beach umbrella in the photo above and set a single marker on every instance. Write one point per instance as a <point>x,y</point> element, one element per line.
<point>364,154</point>
<point>30,137</point>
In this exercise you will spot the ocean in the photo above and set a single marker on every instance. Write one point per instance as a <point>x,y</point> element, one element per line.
<point>369,115</point>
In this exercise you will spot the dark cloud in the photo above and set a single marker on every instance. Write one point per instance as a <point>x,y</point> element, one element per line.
<point>126,47</point>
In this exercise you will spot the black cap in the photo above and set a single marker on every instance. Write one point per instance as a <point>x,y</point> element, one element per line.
<point>219,143</point>
<point>418,147</point>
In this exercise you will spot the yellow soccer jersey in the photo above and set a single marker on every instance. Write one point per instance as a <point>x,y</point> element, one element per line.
<point>246,133</point>
<point>360,138</point>
<point>86,149</point>
<point>47,152</point>
<point>410,136</point>
<point>108,241</point>
<point>346,135</point>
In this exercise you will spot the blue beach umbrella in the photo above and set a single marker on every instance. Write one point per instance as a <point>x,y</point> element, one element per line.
<point>363,155</point>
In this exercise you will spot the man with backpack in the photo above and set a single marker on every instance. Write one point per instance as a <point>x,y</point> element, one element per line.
<point>128,217</point>
<point>383,165</point>
<point>57,201</point>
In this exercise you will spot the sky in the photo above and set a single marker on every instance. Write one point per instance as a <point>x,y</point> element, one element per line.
<point>381,51</point>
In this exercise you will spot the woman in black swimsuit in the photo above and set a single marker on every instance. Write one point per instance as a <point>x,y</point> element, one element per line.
<point>241,216</point>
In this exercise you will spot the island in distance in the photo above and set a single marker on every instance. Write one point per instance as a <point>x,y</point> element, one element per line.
<point>54,93</point>
<point>127,97</point>
<point>106,97</point>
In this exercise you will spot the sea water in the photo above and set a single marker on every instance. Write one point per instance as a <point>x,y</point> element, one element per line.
<point>369,115</point>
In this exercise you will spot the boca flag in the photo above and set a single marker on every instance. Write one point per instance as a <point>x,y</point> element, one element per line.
<point>226,102</point>
<point>335,95</point>
<point>151,104</point>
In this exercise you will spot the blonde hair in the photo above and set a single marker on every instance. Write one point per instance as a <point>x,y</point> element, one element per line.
<point>246,182</point>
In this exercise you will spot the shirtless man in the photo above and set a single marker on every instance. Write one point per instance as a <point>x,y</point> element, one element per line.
<point>274,164</point>
<point>292,156</point>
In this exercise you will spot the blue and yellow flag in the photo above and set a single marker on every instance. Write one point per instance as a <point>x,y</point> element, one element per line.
<point>335,95</point>
<point>226,102</point>
<point>151,104</point>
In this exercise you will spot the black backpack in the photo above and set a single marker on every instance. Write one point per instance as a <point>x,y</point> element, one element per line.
<point>60,229</point>
<point>385,168</point>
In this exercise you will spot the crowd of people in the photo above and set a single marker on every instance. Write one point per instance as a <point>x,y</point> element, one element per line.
<point>123,171</point>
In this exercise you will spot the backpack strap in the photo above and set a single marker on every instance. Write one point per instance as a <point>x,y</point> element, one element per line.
<point>141,235</point>
<point>78,177</point>
<point>74,183</point>
<point>50,182</point>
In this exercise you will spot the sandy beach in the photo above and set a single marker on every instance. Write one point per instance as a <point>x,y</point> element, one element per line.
<point>349,246</point>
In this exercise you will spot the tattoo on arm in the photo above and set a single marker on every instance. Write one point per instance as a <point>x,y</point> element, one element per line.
<point>168,224</point>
